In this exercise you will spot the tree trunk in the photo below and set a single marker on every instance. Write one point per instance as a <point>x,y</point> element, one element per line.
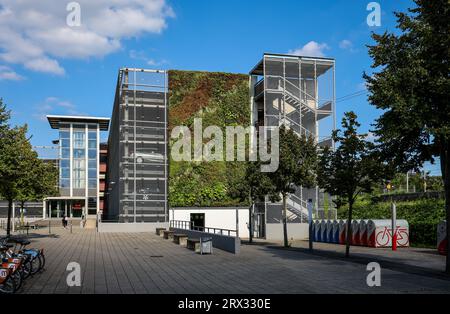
<point>349,228</point>
<point>445,169</point>
<point>8,223</point>
<point>250,223</point>
<point>285,234</point>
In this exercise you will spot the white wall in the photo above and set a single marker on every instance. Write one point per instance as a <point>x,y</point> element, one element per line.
<point>296,231</point>
<point>130,227</point>
<point>216,218</point>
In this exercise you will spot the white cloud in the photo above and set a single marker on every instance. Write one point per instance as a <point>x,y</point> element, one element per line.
<point>35,33</point>
<point>55,105</point>
<point>44,64</point>
<point>8,74</point>
<point>346,44</point>
<point>311,49</point>
<point>142,56</point>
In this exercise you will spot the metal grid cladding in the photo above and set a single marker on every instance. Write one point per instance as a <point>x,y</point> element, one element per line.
<point>137,175</point>
<point>297,92</point>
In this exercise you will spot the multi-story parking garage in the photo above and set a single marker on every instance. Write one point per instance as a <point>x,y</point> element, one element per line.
<point>282,90</point>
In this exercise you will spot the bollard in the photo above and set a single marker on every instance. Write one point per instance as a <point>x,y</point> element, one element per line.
<point>394,227</point>
<point>71,226</point>
<point>49,227</point>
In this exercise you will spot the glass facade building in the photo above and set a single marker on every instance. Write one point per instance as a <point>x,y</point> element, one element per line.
<point>79,142</point>
<point>136,180</point>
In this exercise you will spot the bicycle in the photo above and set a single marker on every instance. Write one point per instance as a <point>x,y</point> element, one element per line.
<point>384,237</point>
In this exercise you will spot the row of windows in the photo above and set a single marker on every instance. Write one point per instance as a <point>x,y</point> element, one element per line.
<point>78,184</point>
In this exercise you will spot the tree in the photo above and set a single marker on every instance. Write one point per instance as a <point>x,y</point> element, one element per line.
<point>297,167</point>
<point>251,188</point>
<point>15,156</point>
<point>412,87</point>
<point>351,169</point>
<point>37,183</point>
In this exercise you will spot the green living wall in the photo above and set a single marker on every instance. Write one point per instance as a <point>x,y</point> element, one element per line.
<point>220,99</point>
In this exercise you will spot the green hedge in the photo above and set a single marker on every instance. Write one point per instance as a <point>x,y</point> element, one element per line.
<point>423,216</point>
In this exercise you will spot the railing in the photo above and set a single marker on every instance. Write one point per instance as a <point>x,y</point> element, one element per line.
<point>189,225</point>
<point>291,88</point>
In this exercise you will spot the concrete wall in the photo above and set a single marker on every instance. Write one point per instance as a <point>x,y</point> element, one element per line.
<point>130,227</point>
<point>226,243</point>
<point>296,231</point>
<point>215,217</point>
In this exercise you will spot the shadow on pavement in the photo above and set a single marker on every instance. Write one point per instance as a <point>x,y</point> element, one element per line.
<point>400,264</point>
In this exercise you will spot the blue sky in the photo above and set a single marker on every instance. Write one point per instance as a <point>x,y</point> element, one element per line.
<point>53,70</point>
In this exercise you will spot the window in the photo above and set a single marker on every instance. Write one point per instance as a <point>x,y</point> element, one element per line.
<point>64,134</point>
<point>79,153</point>
<point>92,154</point>
<point>93,164</point>
<point>65,143</point>
<point>65,163</point>
<point>79,139</point>
<point>92,183</point>
<point>65,173</point>
<point>92,135</point>
<point>93,144</point>
<point>64,183</point>
<point>65,153</point>
<point>92,173</point>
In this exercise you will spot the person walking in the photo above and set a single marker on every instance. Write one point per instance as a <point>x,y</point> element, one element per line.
<point>64,221</point>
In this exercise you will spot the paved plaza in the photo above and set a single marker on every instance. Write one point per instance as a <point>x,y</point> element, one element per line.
<point>146,263</point>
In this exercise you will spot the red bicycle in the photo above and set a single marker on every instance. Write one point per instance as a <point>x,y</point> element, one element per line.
<point>384,237</point>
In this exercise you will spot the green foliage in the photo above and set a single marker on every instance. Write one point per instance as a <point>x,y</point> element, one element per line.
<point>297,163</point>
<point>297,167</point>
<point>22,175</point>
<point>353,168</point>
<point>412,88</point>
<point>220,99</point>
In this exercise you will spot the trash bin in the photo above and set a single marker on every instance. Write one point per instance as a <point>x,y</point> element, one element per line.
<point>323,231</point>
<point>335,232</point>
<point>206,246</point>
<point>342,231</point>
<point>442,237</point>
<point>355,232</point>
<point>379,233</point>
<point>317,234</point>
<point>363,232</point>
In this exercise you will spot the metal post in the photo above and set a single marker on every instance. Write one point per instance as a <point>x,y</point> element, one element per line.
<point>310,222</point>
<point>13,217</point>
<point>394,226</point>
<point>407,182</point>
<point>237,223</point>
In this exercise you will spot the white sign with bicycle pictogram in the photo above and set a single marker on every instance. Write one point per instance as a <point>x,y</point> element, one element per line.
<point>379,233</point>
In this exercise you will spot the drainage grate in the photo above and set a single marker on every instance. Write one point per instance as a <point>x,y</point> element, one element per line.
<point>156,256</point>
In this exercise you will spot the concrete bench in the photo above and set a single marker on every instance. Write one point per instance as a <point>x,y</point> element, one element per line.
<point>167,234</point>
<point>180,238</point>
<point>159,231</point>
<point>193,244</point>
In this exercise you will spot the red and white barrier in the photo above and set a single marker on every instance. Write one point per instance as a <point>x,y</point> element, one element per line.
<point>342,231</point>
<point>355,232</point>
<point>379,233</point>
<point>442,238</point>
<point>363,233</point>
